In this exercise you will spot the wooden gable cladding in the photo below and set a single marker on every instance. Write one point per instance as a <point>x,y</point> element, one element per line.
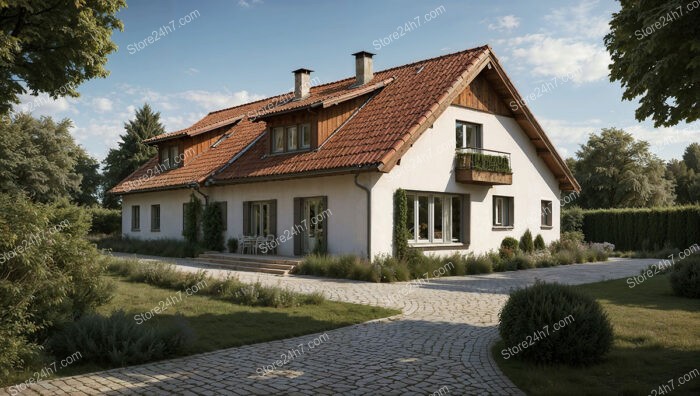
<point>196,145</point>
<point>481,95</point>
<point>330,118</point>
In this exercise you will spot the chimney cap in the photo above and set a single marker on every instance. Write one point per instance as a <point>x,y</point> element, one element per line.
<point>302,70</point>
<point>363,53</point>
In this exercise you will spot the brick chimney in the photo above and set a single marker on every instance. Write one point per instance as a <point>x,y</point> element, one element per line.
<point>363,68</point>
<point>302,83</point>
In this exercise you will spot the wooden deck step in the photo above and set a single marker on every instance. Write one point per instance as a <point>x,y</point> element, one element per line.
<point>277,265</point>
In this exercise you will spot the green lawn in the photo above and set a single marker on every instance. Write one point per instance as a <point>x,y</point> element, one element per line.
<point>219,324</point>
<point>657,339</point>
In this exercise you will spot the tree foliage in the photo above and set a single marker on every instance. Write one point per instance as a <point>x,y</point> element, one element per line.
<point>52,46</point>
<point>655,50</point>
<point>91,180</point>
<point>39,157</point>
<point>131,152</point>
<point>686,174</point>
<point>401,234</point>
<point>193,217</point>
<point>617,171</point>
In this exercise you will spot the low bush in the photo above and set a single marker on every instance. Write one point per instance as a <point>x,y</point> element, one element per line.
<point>565,325</point>
<point>232,245</point>
<point>685,277</point>
<point>229,289</point>
<point>522,261</point>
<point>105,221</point>
<point>539,242</point>
<point>118,340</point>
<point>572,219</point>
<point>526,245</point>
<point>152,247</point>
<point>509,247</point>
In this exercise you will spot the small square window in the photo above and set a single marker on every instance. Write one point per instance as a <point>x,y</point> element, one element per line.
<point>277,140</point>
<point>503,211</point>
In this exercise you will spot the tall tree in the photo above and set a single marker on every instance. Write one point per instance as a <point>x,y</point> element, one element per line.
<point>38,157</point>
<point>91,180</point>
<point>686,174</point>
<point>615,171</point>
<point>655,50</point>
<point>52,46</point>
<point>131,152</point>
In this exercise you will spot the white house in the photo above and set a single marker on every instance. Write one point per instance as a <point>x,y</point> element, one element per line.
<point>320,165</point>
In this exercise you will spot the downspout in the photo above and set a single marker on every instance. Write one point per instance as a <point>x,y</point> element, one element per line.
<point>369,214</point>
<point>195,186</point>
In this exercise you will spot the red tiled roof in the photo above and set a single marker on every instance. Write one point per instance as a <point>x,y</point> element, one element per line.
<point>399,103</point>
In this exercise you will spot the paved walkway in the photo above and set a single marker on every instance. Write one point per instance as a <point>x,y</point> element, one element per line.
<point>441,342</point>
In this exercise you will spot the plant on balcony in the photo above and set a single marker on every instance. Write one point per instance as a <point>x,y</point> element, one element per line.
<point>483,162</point>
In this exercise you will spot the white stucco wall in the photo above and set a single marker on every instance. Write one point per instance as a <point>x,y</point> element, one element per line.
<point>346,224</point>
<point>429,166</point>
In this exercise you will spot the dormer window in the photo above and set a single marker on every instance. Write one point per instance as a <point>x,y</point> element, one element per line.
<point>170,157</point>
<point>291,138</point>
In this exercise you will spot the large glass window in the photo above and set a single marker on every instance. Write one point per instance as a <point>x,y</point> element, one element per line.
<point>260,218</point>
<point>467,135</point>
<point>434,218</point>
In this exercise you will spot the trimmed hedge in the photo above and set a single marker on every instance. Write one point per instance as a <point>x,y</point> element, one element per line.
<point>644,229</point>
<point>105,221</point>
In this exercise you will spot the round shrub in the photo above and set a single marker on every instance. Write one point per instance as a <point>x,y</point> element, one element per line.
<point>685,278</point>
<point>522,261</point>
<point>509,246</point>
<point>526,243</point>
<point>539,243</point>
<point>583,333</point>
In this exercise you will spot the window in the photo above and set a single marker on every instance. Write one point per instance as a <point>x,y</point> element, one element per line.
<point>170,157</point>
<point>503,211</point>
<point>546,208</point>
<point>135,218</point>
<point>277,140</point>
<point>434,218</point>
<point>305,136</point>
<point>292,138</point>
<point>259,218</point>
<point>155,218</point>
<point>467,135</point>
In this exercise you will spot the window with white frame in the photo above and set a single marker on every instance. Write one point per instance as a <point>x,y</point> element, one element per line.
<point>434,218</point>
<point>290,138</point>
<point>502,211</point>
<point>467,135</point>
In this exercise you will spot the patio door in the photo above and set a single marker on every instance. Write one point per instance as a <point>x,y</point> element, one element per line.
<point>311,215</point>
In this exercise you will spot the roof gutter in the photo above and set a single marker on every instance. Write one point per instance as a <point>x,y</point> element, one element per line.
<point>195,186</point>
<point>369,214</point>
<point>298,175</point>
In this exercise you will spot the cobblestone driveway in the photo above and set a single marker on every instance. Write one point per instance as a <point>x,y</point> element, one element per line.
<point>441,341</point>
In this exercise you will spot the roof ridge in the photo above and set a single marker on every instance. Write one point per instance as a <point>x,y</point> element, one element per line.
<point>351,77</point>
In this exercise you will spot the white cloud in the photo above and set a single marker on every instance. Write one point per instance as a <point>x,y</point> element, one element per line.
<point>581,20</point>
<point>557,57</point>
<point>102,104</point>
<point>43,104</point>
<point>248,4</point>
<point>191,71</point>
<point>211,101</point>
<point>506,22</point>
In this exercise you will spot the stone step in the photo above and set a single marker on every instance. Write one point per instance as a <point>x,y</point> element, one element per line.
<point>244,267</point>
<point>241,263</point>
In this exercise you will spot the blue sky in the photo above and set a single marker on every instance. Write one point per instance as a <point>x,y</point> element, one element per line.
<point>224,53</point>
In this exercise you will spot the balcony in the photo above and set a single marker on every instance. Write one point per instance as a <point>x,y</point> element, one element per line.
<point>484,167</point>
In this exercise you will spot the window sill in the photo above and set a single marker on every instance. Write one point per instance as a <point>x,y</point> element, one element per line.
<point>135,230</point>
<point>155,230</point>
<point>501,228</point>
<point>439,246</point>
<point>546,227</point>
<point>290,151</point>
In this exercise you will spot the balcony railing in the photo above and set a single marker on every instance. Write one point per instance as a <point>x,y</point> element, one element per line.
<point>481,166</point>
